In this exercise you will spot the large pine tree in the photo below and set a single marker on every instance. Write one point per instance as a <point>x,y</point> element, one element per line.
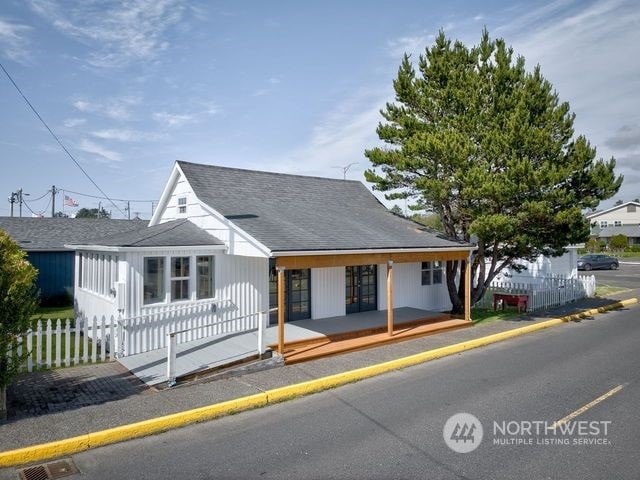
<point>489,148</point>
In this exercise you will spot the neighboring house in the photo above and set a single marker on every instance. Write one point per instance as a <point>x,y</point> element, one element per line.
<point>610,222</point>
<point>632,232</point>
<point>44,241</point>
<point>223,239</point>
<point>543,267</point>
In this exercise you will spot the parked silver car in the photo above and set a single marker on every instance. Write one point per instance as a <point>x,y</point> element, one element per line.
<point>596,261</point>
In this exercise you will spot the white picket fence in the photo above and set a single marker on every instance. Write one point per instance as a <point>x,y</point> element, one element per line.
<point>63,343</point>
<point>547,292</point>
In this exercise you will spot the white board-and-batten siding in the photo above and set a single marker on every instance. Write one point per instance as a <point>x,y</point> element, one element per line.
<point>328,290</point>
<point>408,290</point>
<point>208,219</point>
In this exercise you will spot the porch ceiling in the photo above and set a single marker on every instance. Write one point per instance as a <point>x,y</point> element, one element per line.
<point>338,260</point>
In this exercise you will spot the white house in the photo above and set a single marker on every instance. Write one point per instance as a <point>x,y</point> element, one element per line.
<point>543,267</point>
<point>620,219</point>
<point>226,245</point>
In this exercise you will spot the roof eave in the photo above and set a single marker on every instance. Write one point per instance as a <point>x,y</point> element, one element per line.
<point>292,253</point>
<point>110,248</point>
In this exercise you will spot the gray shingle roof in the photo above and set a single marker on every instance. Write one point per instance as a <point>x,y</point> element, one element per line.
<point>175,233</point>
<point>54,233</point>
<point>298,213</point>
<point>626,230</point>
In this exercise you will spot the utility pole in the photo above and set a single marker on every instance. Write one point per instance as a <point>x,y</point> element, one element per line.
<point>20,200</point>
<point>53,200</point>
<point>129,209</point>
<point>13,199</point>
<point>99,209</point>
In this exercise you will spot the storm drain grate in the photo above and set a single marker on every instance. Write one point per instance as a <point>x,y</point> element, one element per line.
<point>49,471</point>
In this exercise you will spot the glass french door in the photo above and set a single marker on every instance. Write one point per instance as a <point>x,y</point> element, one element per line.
<point>297,294</point>
<point>361,284</point>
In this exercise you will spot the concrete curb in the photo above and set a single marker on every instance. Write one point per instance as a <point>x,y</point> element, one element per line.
<point>81,443</point>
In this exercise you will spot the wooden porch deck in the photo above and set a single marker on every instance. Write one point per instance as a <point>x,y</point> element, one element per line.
<point>307,339</point>
<point>334,343</point>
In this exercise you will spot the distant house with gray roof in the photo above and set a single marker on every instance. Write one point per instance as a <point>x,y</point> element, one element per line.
<point>227,245</point>
<point>623,219</point>
<point>44,241</point>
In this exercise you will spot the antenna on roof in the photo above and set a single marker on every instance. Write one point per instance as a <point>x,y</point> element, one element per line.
<point>346,168</point>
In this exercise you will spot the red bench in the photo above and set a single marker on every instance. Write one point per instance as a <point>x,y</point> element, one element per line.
<point>512,299</point>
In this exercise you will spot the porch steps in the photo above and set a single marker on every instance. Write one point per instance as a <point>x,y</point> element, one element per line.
<point>327,345</point>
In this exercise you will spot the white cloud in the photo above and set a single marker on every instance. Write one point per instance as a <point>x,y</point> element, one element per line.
<point>74,122</point>
<point>118,33</point>
<point>116,108</point>
<point>340,139</point>
<point>13,43</point>
<point>173,119</point>
<point>126,135</point>
<point>105,154</point>
<point>413,45</point>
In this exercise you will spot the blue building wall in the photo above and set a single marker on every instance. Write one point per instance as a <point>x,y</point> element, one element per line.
<point>55,273</point>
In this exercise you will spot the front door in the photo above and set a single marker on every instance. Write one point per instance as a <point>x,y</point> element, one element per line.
<point>297,294</point>
<point>361,288</point>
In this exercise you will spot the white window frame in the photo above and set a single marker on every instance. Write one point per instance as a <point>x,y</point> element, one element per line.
<point>162,292</point>
<point>604,224</point>
<point>182,205</point>
<point>431,273</point>
<point>181,279</point>
<point>212,277</point>
<point>617,223</point>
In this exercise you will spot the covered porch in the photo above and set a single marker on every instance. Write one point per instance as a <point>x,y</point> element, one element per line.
<point>306,340</point>
<point>327,259</point>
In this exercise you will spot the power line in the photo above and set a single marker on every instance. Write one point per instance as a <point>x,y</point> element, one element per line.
<point>105,198</point>
<point>57,139</point>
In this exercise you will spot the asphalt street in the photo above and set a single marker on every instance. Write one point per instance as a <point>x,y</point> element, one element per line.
<point>627,276</point>
<point>392,426</point>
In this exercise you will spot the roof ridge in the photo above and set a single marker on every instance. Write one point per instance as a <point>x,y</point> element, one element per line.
<point>208,165</point>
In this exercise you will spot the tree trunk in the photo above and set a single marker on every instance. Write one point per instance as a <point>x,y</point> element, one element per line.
<point>457,300</point>
<point>3,404</point>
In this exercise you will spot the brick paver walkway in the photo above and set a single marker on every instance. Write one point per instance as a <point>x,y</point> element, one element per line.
<point>63,389</point>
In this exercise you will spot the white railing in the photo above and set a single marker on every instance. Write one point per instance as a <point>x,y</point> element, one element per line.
<point>150,331</point>
<point>172,341</point>
<point>547,292</point>
<point>63,343</point>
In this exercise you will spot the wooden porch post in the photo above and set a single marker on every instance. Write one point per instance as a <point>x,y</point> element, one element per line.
<point>281,311</point>
<point>467,289</point>
<point>390,297</point>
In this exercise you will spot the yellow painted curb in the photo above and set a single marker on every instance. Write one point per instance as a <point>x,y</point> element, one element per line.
<point>156,425</point>
<point>126,432</point>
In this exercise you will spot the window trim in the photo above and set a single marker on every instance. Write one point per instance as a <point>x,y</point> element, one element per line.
<point>432,270</point>
<point>182,205</point>
<point>162,290</point>
<point>182,278</point>
<point>212,277</point>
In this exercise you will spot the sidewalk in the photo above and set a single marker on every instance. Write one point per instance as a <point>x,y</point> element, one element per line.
<point>103,396</point>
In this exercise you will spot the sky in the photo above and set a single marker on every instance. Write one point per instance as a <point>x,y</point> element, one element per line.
<point>286,86</point>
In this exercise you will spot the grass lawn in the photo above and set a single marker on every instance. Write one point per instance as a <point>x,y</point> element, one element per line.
<point>604,290</point>
<point>54,313</point>
<point>488,315</point>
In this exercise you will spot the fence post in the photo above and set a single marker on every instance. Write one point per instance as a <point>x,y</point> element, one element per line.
<point>260,335</point>
<point>30,350</point>
<point>172,344</point>
<point>67,343</point>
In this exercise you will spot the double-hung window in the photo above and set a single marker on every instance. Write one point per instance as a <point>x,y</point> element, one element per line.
<point>431,273</point>
<point>153,280</point>
<point>182,205</point>
<point>205,277</point>
<point>179,278</point>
